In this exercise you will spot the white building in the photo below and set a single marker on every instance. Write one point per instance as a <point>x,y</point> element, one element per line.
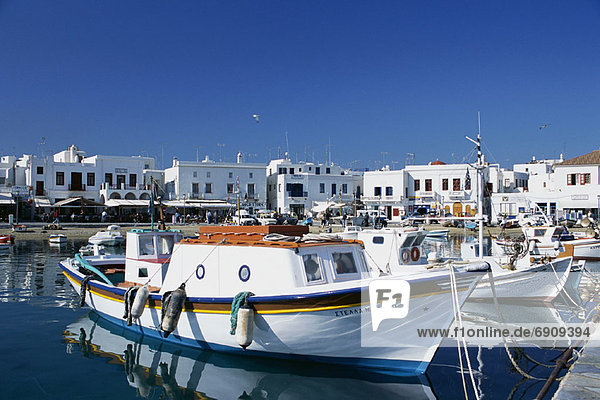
<point>556,187</point>
<point>71,173</point>
<point>577,184</point>
<point>296,187</point>
<point>210,180</point>
<point>443,188</point>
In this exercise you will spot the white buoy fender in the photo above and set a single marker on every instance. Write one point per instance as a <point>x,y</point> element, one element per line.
<point>531,247</point>
<point>244,332</point>
<point>139,303</point>
<point>172,305</point>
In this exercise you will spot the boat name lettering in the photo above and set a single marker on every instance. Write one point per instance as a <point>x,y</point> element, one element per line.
<point>352,311</point>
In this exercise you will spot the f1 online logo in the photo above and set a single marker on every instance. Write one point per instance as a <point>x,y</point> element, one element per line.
<point>388,299</point>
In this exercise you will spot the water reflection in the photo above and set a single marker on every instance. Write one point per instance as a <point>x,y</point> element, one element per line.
<point>29,275</point>
<point>29,272</point>
<point>156,369</point>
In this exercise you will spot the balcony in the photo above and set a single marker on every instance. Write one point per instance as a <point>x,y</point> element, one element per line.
<point>123,186</point>
<point>297,194</point>
<point>456,194</point>
<point>76,188</point>
<point>425,194</point>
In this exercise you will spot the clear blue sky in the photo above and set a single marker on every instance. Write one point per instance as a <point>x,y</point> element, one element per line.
<point>134,77</point>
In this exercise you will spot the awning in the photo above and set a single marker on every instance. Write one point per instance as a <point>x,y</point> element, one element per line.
<point>42,202</point>
<point>6,200</point>
<point>212,205</point>
<point>127,203</point>
<point>320,207</point>
<point>77,202</point>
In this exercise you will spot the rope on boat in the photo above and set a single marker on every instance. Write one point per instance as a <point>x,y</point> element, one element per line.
<point>563,292</point>
<point>84,288</point>
<point>85,264</point>
<point>307,238</point>
<point>457,313</point>
<point>278,237</point>
<point>510,356</point>
<point>321,237</point>
<point>238,300</point>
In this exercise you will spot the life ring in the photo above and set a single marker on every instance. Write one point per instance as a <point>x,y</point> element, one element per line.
<point>405,256</point>
<point>415,254</point>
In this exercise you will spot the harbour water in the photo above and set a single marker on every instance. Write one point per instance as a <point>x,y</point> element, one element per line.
<point>53,349</point>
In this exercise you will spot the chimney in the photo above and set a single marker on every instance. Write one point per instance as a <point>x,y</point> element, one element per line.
<point>239,157</point>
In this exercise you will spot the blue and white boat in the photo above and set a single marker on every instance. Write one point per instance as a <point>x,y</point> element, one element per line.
<point>305,299</point>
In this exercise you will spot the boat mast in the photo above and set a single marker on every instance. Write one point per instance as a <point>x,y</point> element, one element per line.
<point>479,167</point>
<point>479,185</point>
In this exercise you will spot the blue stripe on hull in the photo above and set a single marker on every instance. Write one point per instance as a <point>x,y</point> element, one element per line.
<point>390,367</point>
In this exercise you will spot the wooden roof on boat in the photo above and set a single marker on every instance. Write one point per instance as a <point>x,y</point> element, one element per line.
<point>253,236</point>
<point>256,232</point>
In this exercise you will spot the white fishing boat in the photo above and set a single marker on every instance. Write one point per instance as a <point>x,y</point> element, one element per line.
<point>304,300</point>
<point>152,366</point>
<point>91,250</point>
<point>57,238</point>
<point>438,233</point>
<point>112,236</point>
<point>398,252</point>
<point>551,240</point>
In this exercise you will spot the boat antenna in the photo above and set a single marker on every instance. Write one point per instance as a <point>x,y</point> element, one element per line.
<point>151,204</point>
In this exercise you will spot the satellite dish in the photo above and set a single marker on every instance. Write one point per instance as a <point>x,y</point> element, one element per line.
<point>585,222</point>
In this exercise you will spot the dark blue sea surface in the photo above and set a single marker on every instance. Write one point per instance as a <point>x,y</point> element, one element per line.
<point>53,349</point>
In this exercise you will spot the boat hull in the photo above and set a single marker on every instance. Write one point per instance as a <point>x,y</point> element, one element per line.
<point>542,282</point>
<point>330,327</point>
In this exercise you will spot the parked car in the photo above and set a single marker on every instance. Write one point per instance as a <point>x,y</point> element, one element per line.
<point>287,219</point>
<point>243,217</point>
<point>265,217</point>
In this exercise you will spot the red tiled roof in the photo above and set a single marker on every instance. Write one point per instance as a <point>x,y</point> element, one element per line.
<point>592,158</point>
<point>437,162</point>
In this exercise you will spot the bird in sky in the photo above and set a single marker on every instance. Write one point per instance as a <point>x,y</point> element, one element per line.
<point>544,126</point>
<point>255,116</point>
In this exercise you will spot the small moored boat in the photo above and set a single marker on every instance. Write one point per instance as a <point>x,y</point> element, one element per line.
<point>57,238</point>
<point>110,237</point>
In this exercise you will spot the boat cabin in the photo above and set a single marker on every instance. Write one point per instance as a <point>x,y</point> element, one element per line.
<point>227,260</point>
<point>390,249</point>
<point>148,251</point>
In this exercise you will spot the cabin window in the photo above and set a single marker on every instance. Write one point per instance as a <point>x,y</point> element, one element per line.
<point>539,232</point>
<point>146,244</point>
<point>408,242</point>
<point>165,244</point>
<point>200,271</point>
<point>143,273</point>
<point>344,263</point>
<point>244,273</point>
<point>378,239</point>
<point>312,268</point>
